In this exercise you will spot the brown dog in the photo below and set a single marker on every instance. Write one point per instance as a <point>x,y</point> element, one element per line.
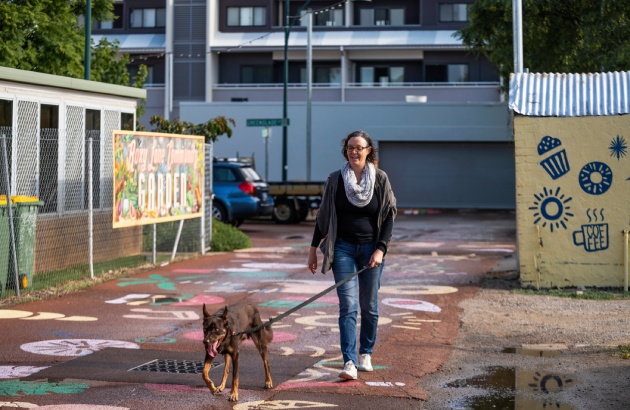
<point>219,331</point>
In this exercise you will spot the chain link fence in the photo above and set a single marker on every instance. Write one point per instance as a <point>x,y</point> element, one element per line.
<point>52,233</point>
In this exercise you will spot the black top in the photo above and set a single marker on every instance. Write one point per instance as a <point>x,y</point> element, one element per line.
<point>357,224</point>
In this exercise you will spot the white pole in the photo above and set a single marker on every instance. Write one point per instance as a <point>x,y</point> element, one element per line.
<point>12,238</point>
<point>517,25</point>
<point>179,234</point>
<point>91,205</point>
<point>309,90</point>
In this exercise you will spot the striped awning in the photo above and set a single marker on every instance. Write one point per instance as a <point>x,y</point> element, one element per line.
<point>570,95</point>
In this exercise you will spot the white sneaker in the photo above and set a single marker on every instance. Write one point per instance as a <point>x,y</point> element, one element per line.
<point>349,371</point>
<point>365,363</point>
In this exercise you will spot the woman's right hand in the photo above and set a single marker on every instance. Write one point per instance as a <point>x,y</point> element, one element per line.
<point>312,259</point>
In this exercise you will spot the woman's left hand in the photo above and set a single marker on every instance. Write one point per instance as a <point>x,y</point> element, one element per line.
<point>376,259</point>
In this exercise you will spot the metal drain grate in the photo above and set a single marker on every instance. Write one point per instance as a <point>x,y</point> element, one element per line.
<point>173,366</point>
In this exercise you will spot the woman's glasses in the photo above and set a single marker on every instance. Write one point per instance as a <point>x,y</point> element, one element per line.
<point>357,149</point>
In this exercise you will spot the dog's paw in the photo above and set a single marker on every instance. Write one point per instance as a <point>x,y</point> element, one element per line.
<point>219,389</point>
<point>269,385</point>
<point>215,392</point>
<point>233,396</point>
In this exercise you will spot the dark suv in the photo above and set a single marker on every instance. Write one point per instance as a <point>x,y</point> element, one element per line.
<point>239,192</point>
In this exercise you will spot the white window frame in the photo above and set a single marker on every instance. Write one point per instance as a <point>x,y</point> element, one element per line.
<point>454,12</point>
<point>253,16</point>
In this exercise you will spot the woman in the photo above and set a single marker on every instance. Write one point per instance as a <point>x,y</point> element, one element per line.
<point>355,220</point>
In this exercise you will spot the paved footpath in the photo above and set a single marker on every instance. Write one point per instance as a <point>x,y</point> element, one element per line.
<point>135,342</point>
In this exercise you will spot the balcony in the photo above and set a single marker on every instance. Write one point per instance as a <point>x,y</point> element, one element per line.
<point>353,92</point>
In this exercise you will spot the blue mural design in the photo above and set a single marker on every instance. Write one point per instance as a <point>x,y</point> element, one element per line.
<point>595,178</point>
<point>553,208</point>
<point>556,164</point>
<point>618,147</point>
<point>592,236</point>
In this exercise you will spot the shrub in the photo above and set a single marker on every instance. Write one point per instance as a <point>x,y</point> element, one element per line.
<point>227,238</point>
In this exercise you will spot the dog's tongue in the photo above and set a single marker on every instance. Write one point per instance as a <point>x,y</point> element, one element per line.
<point>212,349</point>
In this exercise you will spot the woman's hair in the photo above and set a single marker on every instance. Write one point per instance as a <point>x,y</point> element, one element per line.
<point>371,157</point>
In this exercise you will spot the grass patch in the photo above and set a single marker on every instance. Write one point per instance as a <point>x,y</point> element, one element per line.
<point>588,294</point>
<point>43,285</point>
<point>77,277</point>
<point>623,352</point>
<point>82,271</point>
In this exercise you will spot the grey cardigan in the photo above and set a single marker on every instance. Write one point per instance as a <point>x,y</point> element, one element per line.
<point>327,215</point>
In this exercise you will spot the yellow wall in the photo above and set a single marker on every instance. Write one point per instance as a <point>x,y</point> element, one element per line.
<point>572,200</point>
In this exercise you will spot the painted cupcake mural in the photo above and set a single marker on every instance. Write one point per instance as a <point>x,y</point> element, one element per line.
<point>555,163</point>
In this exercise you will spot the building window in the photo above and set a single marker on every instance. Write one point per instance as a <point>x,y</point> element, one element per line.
<point>382,17</point>
<point>325,18</point>
<point>150,80</point>
<point>454,12</point>
<point>246,16</point>
<point>323,75</point>
<point>381,76</point>
<point>256,75</point>
<point>447,73</point>
<point>145,18</point>
<point>117,22</point>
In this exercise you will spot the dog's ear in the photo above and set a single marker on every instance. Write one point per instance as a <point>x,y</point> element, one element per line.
<point>205,311</point>
<point>224,316</point>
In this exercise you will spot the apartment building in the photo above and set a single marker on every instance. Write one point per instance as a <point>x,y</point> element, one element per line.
<point>392,67</point>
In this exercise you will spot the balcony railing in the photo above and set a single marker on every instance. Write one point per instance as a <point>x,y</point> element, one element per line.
<point>361,85</point>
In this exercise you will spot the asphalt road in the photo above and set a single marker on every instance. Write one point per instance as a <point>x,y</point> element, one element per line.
<point>135,342</point>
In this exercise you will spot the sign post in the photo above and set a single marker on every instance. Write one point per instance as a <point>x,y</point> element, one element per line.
<point>266,134</point>
<point>265,122</point>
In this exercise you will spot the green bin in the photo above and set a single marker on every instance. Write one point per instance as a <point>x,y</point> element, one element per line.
<point>4,246</point>
<point>25,211</point>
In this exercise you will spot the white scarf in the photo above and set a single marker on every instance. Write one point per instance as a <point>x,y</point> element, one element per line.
<point>359,194</point>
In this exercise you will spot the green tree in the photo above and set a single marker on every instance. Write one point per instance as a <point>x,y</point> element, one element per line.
<point>211,129</point>
<point>570,36</point>
<point>45,36</point>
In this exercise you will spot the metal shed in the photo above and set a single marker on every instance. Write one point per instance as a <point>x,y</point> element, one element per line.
<point>571,134</point>
<point>48,122</point>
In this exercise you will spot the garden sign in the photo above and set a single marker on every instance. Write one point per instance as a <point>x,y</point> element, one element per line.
<point>157,177</point>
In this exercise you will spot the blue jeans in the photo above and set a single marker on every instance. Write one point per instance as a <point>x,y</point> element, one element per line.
<point>348,258</point>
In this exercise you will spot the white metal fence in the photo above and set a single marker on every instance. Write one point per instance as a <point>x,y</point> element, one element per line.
<point>58,234</point>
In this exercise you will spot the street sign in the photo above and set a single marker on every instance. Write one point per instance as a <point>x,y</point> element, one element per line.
<point>265,122</point>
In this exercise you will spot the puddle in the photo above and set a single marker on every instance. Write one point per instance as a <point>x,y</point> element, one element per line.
<point>513,389</point>
<point>532,352</point>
